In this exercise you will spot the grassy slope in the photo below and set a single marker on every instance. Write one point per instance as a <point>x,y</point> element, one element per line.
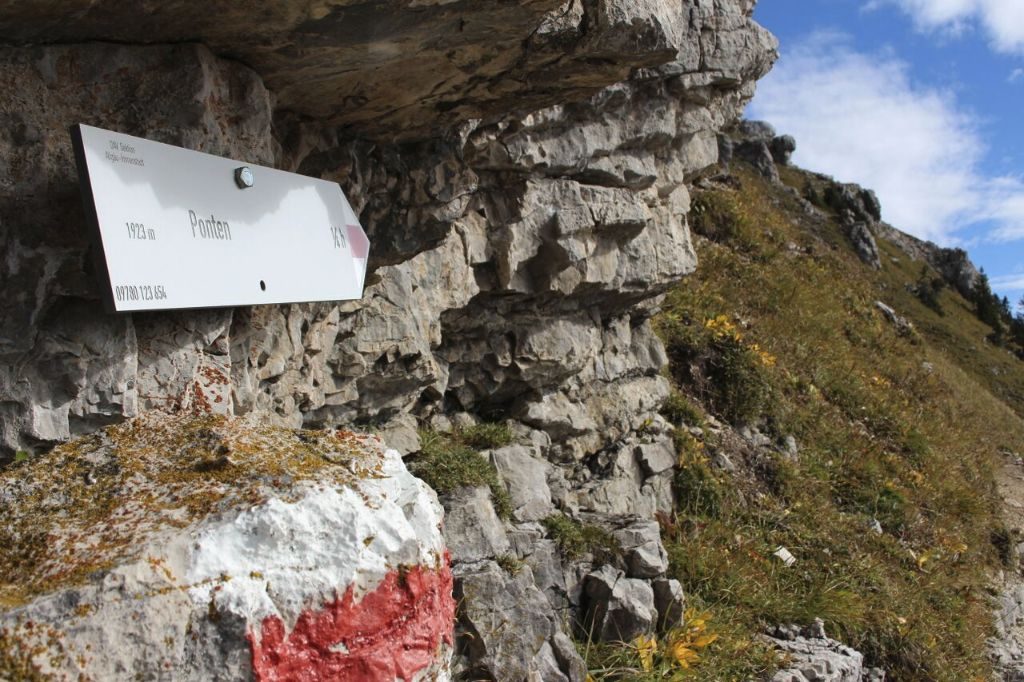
<point>902,428</point>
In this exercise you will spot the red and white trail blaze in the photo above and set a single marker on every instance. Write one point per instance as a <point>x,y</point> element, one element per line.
<point>349,583</point>
<point>394,632</point>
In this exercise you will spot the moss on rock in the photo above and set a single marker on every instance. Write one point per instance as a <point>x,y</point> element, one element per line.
<point>88,504</point>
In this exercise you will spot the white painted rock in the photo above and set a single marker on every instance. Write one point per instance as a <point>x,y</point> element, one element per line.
<point>216,549</point>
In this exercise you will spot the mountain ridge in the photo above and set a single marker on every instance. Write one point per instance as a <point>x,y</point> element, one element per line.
<point>854,424</point>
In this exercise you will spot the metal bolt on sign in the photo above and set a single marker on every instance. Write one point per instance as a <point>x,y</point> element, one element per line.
<point>244,177</point>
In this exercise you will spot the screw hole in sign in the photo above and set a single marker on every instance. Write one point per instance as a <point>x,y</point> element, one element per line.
<point>263,285</point>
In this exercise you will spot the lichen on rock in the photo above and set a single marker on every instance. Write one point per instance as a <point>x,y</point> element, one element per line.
<point>183,532</point>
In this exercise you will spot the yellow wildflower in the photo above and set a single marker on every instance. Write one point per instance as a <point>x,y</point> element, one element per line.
<point>646,647</point>
<point>685,641</point>
<point>683,655</point>
<point>704,640</point>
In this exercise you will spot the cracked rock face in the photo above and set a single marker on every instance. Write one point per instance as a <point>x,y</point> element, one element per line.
<point>406,68</point>
<point>68,367</point>
<point>812,655</point>
<point>520,169</point>
<point>514,266</point>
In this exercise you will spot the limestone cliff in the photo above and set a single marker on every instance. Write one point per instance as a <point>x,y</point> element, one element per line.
<point>520,170</point>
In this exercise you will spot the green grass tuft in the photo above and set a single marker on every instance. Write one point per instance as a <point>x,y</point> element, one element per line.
<point>485,436</point>
<point>577,539</point>
<point>680,410</point>
<point>510,563</point>
<point>447,463</point>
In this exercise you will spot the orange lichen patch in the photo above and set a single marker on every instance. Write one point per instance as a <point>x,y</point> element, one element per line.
<point>16,660</point>
<point>93,502</point>
<point>21,648</point>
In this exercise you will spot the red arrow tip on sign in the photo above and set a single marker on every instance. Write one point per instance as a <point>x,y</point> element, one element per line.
<point>358,242</point>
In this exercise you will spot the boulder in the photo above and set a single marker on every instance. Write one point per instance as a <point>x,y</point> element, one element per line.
<point>507,630</point>
<point>812,656</point>
<point>1005,647</point>
<point>789,449</point>
<point>953,264</point>
<point>201,548</point>
<point>872,206</point>
<point>640,541</point>
<point>549,572</point>
<point>656,457</point>
<point>623,488</point>
<point>525,477</point>
<point>782,147</point>
<point>524,537</point>
<point>864,244</point>
<point>903,325</point>
<point>545,666</point>
<point>956,268</point>
<point>756,143</point>
<point>862,203</point>
<point>758,154</point>
<point>472,528</point>
<point>756,131</point>
<point>670,600</point>
<point>618,608</point>
<point>401,434</point>
<point>568,658</point>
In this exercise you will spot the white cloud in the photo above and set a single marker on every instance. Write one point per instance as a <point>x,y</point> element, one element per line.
<point>1015,75</point>
<point>1011,286</point>
<point>860,118</point>
<point>1009,282</point>
<point>1004,205</point>
<point>1001,20</point>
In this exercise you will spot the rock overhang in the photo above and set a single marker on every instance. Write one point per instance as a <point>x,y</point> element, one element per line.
<point>409,69</point>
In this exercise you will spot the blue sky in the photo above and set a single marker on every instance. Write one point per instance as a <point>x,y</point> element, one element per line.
<point>921,100</point>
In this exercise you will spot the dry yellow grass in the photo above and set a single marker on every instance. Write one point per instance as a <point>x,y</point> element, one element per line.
<point>900,428</point>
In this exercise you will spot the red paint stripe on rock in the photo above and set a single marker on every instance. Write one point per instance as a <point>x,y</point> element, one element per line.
<point>391,633</point>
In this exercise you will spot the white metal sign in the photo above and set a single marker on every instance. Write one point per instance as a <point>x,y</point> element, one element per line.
<point>176,228</point>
